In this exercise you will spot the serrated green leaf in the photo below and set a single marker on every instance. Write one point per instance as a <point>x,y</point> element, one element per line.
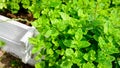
<point>106,27</point>
<point>48,45</point>
<point>35,50</point>
<point>3,5</point>
<point>66,64</point>
<point>83,44</point>
<point>62,25</point>
<point>64,16</point>
<point>78,34</point>
<point>78,54</point>
<point>71,31</point>
<point>40,65</point>
<point>38,57</point>
<point>54,21</point>
<point>54,3</point>
<point>104,65</point>
<point>90,56</point>
<point>25,3</point>
<point>119,62</point>
<point>101,42</point>
<point>104,58</point>
<point>86,57</point>
<point>48,33</point>
<point>14,7</point>
<point>61,52</point>
<point>88,65</point>
<point>108,48</point>
<point>36,15</point>
<point>50,51</point>
<point>67,43</point>
<point>45,11</point>
<point>69,52</point>
<point>80,13</point>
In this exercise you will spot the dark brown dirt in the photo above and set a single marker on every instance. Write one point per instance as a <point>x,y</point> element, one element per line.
<point>12,62</point>
<point>22,14</point>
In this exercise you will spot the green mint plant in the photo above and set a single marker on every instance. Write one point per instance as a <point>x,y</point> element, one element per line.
<point>77,33</point>
<point>2,4</point>
<point>73,33</point>
<point>15,5</point>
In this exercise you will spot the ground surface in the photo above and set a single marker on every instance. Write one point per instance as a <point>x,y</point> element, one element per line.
<point>22,14</point>
<point>7,60</point>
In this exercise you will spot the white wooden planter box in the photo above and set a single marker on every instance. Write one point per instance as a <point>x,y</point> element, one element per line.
<point>16,35</point>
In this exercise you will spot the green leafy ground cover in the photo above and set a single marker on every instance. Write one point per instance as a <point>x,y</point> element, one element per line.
<point>74,33</point>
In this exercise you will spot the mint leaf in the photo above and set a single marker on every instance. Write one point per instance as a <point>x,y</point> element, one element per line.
<point>55,3</point>
<point>50,51</point>
<point>64,16</point>
<point>66,64</point>
<point>105,59</point>
<point>78,34</point>
<point>119,62</point>
<point>90,56</point>
<point>62,25</point>
<point>26,3</point>
<point>104,65</point>
<point>69,52</point>
<point>83,44</point>
<point>48,33</point>
<point>40,65</point>
<point>67,43</point>
<point>88,65</point>
<point>80,13</point>
<point>3,4</point>
<point>108,48</point>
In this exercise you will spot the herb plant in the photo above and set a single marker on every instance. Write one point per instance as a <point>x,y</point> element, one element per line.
<point>77,33</point>
<point>15,5</point>
<point>73,33</point>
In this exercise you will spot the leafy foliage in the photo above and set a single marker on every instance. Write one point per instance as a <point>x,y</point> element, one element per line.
<point>74,33</point>
<point>2,4</point>
<point>14,5</point>
<point>77,33</point>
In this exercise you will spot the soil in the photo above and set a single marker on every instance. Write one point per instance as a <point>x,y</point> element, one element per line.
<point>22,14</point>
<point>7,60</point>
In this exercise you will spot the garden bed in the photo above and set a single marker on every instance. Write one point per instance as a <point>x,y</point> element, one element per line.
<point>73,33</point>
